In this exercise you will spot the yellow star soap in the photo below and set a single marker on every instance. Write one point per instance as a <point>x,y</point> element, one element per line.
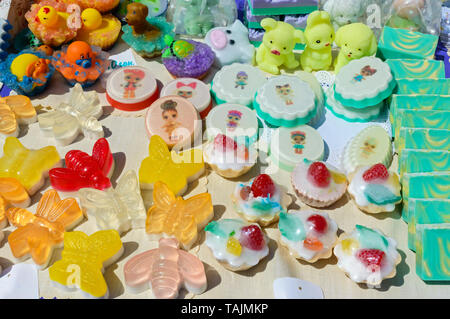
<point>174,169</point>
<point>172,216</point>
<point>38,234</point>
<point>83,260</point>
<point>29,167</point>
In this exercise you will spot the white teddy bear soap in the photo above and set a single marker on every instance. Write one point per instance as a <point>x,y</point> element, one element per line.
<point>230,44</point>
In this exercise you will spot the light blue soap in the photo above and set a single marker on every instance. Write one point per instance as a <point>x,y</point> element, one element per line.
<point>426,211</point>
<point>223,228</point>
<point>422,139</point>
<point>423,161</point>
<point>405,44</point>
<point>424,185</point>
<point>371,239</point>
<point>433,252</point>
<point>380,195</point>
<point>416,69</point>
<point>440,86</point>
<point>291,227</point>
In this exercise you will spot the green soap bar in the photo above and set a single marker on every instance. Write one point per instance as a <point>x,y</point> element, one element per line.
<point>424,185</point>
<point>423,161</point>
<point>433,252</point>
<point>421,119</point>
<point>439,86</point>
<point>405,44</point>
<point>274,10</point>
<point>417,102</point>
<point>426,211</point>
<point>416,69</point>
<point>422,139</point>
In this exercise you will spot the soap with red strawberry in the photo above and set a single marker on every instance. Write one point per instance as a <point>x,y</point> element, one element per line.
<point>318,184</point>
<point>375,189</point>
<point>259,201</point>
<point>229,158</point>
<point>367,255</point>
<point>237,245</point>
<point>308,235</point>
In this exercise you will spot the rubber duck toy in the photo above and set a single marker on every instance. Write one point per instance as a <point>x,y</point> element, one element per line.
<point>145,35</point>
<point>100,5</point>
<point>80,62</point>
<point>49,21</point>
<point>187,58</point>
<point>27,72</point>
<point>98,30</point>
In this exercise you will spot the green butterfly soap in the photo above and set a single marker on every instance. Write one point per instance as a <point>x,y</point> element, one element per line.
<point>405,44</point>
<point>426,211</point>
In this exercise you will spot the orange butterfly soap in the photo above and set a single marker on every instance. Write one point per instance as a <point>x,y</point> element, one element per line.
<point>174,169</point>
<point>38,234</point>
<point>172,216</point>
<point>83,260</point>
<point>15,110</point>
<point>29,167</point>
<point>165,269</point>
<point>11,193</point>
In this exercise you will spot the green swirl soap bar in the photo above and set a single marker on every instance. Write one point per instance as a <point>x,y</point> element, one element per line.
<point>416,69</point>
<point>438,86</point>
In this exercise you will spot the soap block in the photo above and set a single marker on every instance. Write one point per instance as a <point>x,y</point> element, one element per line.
<point>417,102</point>
<point>421,119</point>
<point>405,44</point>
<point>412,86</point>
<point>426,211</point>
<point>254,21</point>
<point>416,69</point>
<point>433,252</point>
<point>422,139</point>
<point>443,54</point>
<point>424,185</point>
<point>423,161</point>
<point>273,7</point>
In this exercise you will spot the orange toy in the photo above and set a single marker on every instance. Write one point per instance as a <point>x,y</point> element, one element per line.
<point>37,235</point>
<point>80,63</point>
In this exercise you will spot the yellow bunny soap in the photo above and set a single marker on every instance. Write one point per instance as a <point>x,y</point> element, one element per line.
<point>277,47</point>
<point>356,40</point>
<point>319,36</point>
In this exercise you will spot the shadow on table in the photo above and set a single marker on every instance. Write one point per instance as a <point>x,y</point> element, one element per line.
<point>261,266</point>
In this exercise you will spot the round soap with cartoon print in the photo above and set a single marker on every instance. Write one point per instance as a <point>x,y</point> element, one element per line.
<point>196,91</point>
<point>237,83</point>
<point>286,101</point>
<point>289,146</point>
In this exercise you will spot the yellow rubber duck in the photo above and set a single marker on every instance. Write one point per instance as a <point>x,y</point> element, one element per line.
<point>98,30</point>
<point>50,17</point>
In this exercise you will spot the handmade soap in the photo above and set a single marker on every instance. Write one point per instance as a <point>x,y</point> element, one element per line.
<point>12,193</point>
<point>177,170</point>
<point>423,161</point>
<point>38,234</point>
<point>174,216</point>
<point>29,167</point>
<point>426,211</point>
<point>84,259</point>
<point>405,44</point>
<point>433,252</point>
<point>437,86</point>
<point>121,208</point>
<point>427,139</point>
<point>416,69</point>
<point>15,110</point>
<point>83,170</point>
<point>79,114</point>
<point>165,270</point>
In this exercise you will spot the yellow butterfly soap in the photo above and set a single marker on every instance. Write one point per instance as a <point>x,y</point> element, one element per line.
<point>15,110</point>
<point>174,169</point>
<point>83,260</point>
<point>173,216</point>
<point>29,167</point>
<point>38,234</point>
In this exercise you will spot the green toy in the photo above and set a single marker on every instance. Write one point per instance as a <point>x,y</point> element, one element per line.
<point>277,47</point>
<point>177,48</point>
<point>319,36</point>
<point>356,40</point>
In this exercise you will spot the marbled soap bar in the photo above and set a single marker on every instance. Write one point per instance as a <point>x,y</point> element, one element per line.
<point>421,119</point>
<point>264,7</point>
<point>426,211</point>
<point>423,161</point>
<point>413,86</point>
<point>405,44</point>
<point>433,252</point>
<point>418,102</point>
<point>424,185</point>
<point>416,69</point>
<point>422,139</point>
